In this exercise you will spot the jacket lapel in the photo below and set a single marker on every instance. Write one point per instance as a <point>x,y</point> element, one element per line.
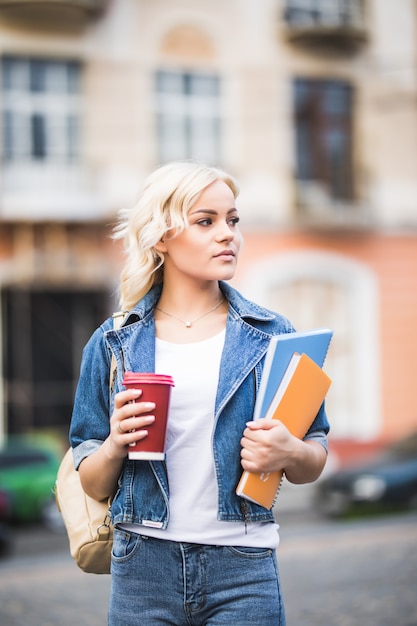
<point>236,365</point>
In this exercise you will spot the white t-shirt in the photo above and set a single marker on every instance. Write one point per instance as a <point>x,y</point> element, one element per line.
<point>189,455</point>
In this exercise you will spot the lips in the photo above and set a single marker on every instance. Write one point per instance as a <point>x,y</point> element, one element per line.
<point>225,253</point>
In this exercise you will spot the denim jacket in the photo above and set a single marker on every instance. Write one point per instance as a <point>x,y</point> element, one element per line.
<point>142,496</point>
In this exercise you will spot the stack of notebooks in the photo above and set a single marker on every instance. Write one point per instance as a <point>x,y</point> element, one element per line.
<point>292,390</point>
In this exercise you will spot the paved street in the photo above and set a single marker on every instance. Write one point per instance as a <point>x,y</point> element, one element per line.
<point>359,573</point>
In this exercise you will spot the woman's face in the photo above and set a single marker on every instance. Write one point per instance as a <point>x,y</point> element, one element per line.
<point>208,248</point>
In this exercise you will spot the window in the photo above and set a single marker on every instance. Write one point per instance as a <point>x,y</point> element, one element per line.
<point>46,332</point>
<point>324,12</point>
<point>188,117</point>
<point>40,101</point>
<point>323,133</point>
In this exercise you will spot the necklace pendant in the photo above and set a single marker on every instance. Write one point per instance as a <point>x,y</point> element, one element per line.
<point>188,324</point>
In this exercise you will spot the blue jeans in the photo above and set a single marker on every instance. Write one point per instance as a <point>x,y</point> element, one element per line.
<point>164,583</point>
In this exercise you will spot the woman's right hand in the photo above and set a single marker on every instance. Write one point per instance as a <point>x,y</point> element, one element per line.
<point>100,471</point>
<point>129,420</point>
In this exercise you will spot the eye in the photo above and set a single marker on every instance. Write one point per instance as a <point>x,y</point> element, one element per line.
<point>234,221</point>
<point>207,221</point>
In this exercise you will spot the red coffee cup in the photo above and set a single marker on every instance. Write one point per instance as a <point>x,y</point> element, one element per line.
<point>155,388</point>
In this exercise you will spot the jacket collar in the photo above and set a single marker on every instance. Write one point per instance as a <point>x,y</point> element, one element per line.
<point>243,308</point>
<point>249,326</point>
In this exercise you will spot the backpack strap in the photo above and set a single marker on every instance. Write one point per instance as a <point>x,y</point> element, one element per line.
<point>118,317</point>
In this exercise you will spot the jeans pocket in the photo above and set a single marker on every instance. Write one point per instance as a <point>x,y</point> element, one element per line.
<point>248,552</point>
<point>125,544</point>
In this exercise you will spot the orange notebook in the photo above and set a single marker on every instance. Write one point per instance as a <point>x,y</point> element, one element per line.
<point>296,404</point>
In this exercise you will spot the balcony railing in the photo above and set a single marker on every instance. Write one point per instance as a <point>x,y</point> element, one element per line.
<point>326,23</point>
<point>316,208</point>
<point>88,6</point>
<point>64,14</point>
<point>38,192</point>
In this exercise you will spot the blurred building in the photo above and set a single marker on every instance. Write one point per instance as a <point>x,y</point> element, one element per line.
<point>311,104</point>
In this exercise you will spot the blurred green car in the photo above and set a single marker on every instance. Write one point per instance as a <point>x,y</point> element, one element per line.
<point>28,473</point>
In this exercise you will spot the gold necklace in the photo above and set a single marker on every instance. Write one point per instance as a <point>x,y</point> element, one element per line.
<point>189,323</point>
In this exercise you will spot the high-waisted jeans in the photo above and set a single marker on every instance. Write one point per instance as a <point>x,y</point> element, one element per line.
<point>164,583</point>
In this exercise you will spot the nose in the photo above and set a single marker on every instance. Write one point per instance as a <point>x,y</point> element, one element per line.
<point>225,232</point>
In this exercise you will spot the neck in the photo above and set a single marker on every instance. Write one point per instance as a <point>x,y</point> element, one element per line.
<point>188,303</point>
<point>183,325</point>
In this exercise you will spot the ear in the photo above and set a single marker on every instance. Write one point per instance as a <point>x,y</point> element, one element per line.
<point>161,246</point>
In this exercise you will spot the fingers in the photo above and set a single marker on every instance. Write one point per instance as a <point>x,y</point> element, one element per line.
<point>131,430</point>
<point>256,431</point>
<point>262,424</point>
<point>130,417</point>
<point>262,444</point>
<point>123,397</point>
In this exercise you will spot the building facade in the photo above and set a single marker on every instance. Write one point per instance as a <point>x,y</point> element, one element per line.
<point>310,104</point>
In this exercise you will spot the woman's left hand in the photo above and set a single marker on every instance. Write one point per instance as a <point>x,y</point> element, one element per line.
<point>268,446</point>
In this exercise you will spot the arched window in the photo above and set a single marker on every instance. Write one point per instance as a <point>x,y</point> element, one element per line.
<point>315,289</point>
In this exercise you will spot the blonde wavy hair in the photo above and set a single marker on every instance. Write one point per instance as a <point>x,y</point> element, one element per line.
<point>161,210</point>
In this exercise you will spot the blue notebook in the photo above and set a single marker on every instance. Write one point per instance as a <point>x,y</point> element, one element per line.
<point>315,343</point>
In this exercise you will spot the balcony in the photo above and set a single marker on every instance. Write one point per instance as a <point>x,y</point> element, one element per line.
<point>36,192</point>
<point>55,14</point>
<point>338,25</point>
<point>316,208</point>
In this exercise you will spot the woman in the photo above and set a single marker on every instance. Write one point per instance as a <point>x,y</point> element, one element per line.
<point>187,550</point>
